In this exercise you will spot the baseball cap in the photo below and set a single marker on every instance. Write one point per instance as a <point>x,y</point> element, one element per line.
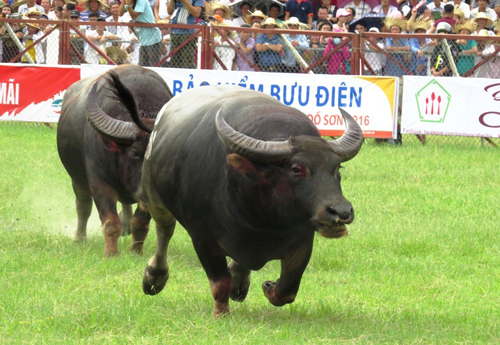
<point>443,27</point>
<point>74,13</point>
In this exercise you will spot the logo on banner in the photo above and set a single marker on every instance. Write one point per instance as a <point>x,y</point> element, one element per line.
<point>56,106</point>
<point>433,101</point>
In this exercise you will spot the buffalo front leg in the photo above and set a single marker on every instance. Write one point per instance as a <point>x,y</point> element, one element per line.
<point>140,229</point>
<point>83,201</point>
<point>241,281</point>
<point>214,263</point>
<point>125,218</point>
<point>156,272</point>
<point>293,265</point>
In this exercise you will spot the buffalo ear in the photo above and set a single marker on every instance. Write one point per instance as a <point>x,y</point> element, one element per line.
<point>112,146</point>
<point>245,167</point>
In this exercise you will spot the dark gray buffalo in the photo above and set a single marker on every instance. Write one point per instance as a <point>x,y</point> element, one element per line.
<point>103,150</point>
<point>248,178</point>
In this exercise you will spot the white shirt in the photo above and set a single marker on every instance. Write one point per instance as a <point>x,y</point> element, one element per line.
<point>489,12</point>
<point>91,55</point>
<point>120,31</point>
<point>378,9</point>
<point>24,8</point>
<point>433,8</point>
<point>362,9</point>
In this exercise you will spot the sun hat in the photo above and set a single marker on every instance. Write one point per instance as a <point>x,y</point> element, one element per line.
<point>86,3</point>
<point>482,15</point>
<point>421,24</point>
<point>389,22</point>
<point>256,14</point>
<point>443,26</point>
<point>296,22</point>
<point>212,6</point>
<point>469,25</point>
<point>270,21</point>
<point>373,29</point>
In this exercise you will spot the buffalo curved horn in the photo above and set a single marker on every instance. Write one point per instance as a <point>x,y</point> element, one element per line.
<point>119,131</point>
<point>349,144</point>
<point>254,149</point>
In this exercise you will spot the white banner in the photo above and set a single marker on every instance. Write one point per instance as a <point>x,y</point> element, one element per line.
<point>451,106</point>
<point>372,101</point>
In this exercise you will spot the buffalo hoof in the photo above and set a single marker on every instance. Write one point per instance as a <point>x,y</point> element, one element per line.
<point>154,280</point>
<point>221,311</point>
<point>80,239</point>
<point>239,295</point>
<point>269,288</point>
<point>137,248</point>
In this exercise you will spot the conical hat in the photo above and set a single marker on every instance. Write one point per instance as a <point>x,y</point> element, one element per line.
<point>469,25</point>
<point>421,23</point>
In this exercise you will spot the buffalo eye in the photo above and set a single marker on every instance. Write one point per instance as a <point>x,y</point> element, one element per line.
<point>134,154</point>
<point>298,171</point>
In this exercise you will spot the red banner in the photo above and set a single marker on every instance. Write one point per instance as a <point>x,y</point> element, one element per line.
<point>34,93</point>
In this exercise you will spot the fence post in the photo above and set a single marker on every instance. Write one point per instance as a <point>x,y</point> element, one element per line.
<point>64,44</point>
<point>356,55</point>
<point>206,48</point>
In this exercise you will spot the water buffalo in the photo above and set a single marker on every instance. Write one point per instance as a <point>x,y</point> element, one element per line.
<point>103,151</point>
<point>248,178</point>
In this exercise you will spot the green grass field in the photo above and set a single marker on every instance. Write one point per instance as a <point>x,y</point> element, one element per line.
<point>421,264</point>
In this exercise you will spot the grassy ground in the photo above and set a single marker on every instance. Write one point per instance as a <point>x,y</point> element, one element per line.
<point>421,263</point>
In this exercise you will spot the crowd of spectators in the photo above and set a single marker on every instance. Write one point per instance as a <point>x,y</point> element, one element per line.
<point>270,51</point>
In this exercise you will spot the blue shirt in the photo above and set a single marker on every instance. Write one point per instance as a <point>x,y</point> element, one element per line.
<point>391,68</point>
<point>269,57</point>
<point>288,57</point>
<point>182,16</point>
<point>302,10</point>
<point>147,36</point>
<point>415,60</point>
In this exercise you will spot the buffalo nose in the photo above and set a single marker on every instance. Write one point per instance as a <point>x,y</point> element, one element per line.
<point>343,211</point>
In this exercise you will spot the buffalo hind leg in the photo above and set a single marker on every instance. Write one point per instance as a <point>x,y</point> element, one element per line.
<point>83,201</point>
<point>241,281</point>
<point>125,218</point>
<point>140,228</point>
<point>105,199</point>
<point>156,272</point>
<point>293,265</point>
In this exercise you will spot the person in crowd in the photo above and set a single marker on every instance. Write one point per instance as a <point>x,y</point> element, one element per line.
<point>256,25</point>
<point>484,50</point>
<point>325,26</point>
<point>257,16</point>
<point>447,18</point>
<point>160,10</point>
<point>55,13</point>
<point>376,59</point>
<point>437,6</point>
<point>464,7</point>
<point>165,33</point>
<point>245,8</point>
<point>322,16</point>
<point>30,4</point>
<point>419,47</point>
<point>149,37</point>
<point>77,51</point>
<point>336,62</point>
<point>342,18</point>
<point>351,14</point>
<point>493,4</point>
<point>299,43</point>
<point>385,7</point>
<point>468,47</point>
<point>332,10</point>
<point>120,31</point>
<point>67,9</point>
<point>407,6</point>
<point>361,8</point>
<point>6,11</point>
<point>483,8</point>
<point>459,15</point>
<point>46,5</point>
<point>32,29</point>
<point>245,44</point>
<point>301,9</point>
<point>222,43</point>
<point>218,8</point>
<point>274,12</point>
<point>483,22</point>
<point>100,37</point>
<point>440,63</point>
<point>10,49</point>
<point>397,47</point>
<point>132,47</point>
<point>186,12</point>
<point>99,6</point>
<point>269,46</point>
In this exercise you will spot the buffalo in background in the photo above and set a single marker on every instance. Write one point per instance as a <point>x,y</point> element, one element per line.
<point>102,136</point>
<point>248,178</point>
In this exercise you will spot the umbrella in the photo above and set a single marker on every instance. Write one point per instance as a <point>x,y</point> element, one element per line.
<point>371,20</point>
<point>371,3</point>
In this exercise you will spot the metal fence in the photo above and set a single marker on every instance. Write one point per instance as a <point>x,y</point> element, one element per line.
<point>280,51</point>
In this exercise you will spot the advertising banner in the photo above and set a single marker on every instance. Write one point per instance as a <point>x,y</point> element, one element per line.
<point>451,106</point>
<point>372,101</point>
<point>34,93</point>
